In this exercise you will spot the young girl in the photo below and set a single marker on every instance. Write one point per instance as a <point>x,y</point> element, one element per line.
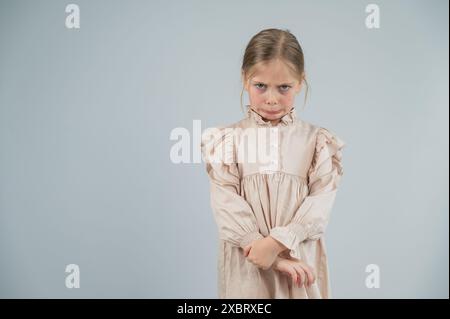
<point>271,217</point>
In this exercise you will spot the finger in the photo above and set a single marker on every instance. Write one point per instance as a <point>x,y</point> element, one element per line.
<point>313,273</point>
<point>309,271</point>
<point>301,275</point>
<point>309,275</point>
<point>247,250</point>
<point>294,276</point>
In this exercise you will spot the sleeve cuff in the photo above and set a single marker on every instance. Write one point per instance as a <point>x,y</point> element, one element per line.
<point>289,238</point>
<point>249,238</point>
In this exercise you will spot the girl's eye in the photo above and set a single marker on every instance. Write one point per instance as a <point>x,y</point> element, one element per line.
<point>284,88</point>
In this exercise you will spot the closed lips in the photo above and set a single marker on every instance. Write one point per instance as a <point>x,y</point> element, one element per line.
<point>272,112</point>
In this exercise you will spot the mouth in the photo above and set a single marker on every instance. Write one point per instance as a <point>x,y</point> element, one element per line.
<point>272,112</point>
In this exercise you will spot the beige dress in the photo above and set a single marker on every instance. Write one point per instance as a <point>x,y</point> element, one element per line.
<point>287,195</point>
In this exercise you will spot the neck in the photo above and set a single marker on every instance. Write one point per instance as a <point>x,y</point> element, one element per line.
<point>275,122</point>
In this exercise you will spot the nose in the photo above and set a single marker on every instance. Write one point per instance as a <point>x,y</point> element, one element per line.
<point>271,98</point>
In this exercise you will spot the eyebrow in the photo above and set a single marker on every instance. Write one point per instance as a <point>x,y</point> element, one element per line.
<point>292,83</point>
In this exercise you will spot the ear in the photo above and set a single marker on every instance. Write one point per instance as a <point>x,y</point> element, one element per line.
<point>244,81</point>
<point>298,88</point>
<point>300,84</point>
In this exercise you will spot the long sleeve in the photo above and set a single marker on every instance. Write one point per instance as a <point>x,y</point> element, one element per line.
<point>324,175</point>
<point>233,215</point>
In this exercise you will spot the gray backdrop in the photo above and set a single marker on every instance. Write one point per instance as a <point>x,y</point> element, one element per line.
<point>86,116</point>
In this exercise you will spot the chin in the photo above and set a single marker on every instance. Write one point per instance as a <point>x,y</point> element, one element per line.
<point>270,117</point>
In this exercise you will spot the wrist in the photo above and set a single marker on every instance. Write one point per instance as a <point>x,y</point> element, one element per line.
<point>277,246</point>
<point>276,263</point>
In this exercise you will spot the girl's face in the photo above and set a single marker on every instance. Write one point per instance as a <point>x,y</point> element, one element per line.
<point>272,90</point>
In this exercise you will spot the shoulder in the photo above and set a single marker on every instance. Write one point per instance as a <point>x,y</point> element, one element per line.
<point>217,144</point>
<point>321,135</point>
<point>307,128</point>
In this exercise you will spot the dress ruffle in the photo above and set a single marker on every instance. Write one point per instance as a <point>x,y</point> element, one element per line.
<point>218,145</point>
<point>328,145</point>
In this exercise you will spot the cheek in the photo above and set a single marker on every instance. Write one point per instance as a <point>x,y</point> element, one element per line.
<point>255,96</point>
<point>287,99</point>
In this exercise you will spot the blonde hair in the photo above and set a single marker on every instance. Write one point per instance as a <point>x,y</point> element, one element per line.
<point>270,44</point>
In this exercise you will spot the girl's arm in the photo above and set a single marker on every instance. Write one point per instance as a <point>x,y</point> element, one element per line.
<point>233,215</point>
<point>311,219</point>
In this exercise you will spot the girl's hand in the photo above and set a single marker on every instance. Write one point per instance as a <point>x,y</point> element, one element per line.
<point>263,252</point>
<point>300,273</point>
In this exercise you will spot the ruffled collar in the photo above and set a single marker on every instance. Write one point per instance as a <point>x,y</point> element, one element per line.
<point>286,119</point>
